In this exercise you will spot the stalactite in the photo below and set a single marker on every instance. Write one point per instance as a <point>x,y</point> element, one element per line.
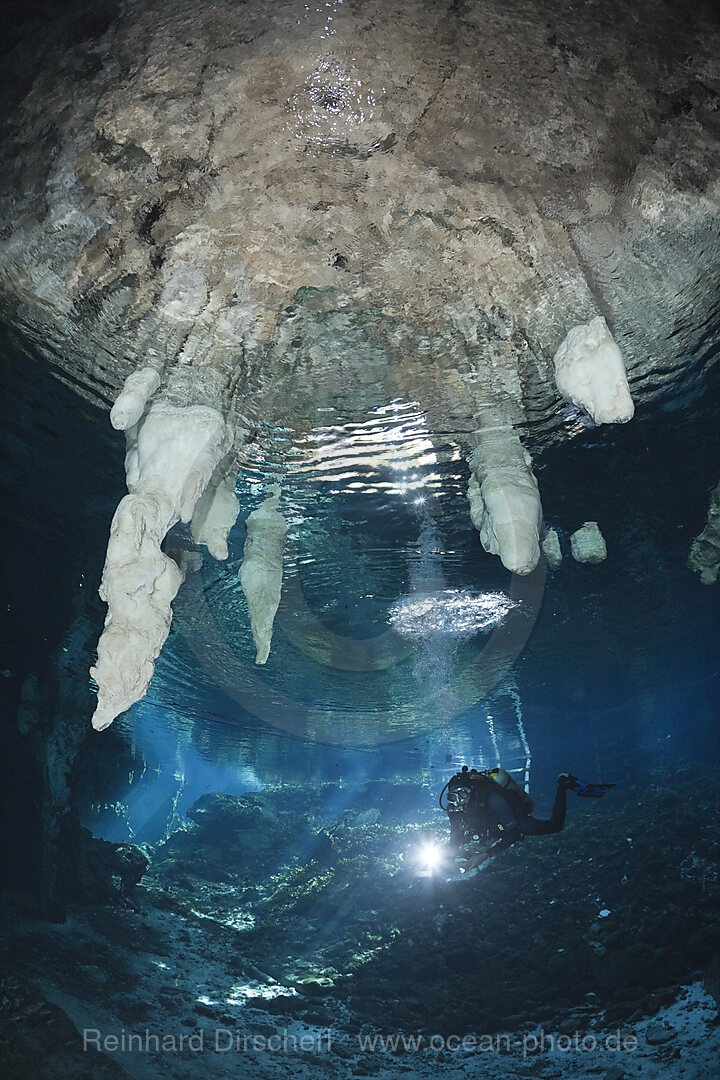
<point>261,571</point>
<point>172,453</point>
<point>504,499</point>
<point>589,372</point>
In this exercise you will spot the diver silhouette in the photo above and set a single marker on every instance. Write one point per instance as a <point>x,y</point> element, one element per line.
<point>491,808</point>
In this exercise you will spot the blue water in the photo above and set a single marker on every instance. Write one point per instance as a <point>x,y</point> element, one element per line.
<point>289,812</point>
<point>621,661</point>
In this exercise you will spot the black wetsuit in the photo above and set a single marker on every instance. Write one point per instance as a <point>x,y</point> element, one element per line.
<point>496,814</point>
<point>511,814</point>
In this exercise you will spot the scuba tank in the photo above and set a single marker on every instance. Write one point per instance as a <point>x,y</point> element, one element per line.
<point>504,780</point>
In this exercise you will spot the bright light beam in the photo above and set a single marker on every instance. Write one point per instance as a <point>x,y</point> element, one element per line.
<point>430,857</point>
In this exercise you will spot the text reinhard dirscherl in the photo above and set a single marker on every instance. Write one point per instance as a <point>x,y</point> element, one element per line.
<point>224,1040</point>
<point>219,1040</point>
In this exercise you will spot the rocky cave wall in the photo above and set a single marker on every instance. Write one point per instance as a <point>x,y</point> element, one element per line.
<point>55,535</point>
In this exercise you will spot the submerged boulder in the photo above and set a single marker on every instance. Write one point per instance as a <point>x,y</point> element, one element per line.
<point>225,815</point>
<point>233,836</point>
<point>108,872</point>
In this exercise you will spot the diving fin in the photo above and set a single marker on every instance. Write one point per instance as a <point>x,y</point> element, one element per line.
<point>584,790</point>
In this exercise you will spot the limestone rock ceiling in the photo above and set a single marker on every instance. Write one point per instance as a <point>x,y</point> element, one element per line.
<point>260,209</point>
<point>496,173</point>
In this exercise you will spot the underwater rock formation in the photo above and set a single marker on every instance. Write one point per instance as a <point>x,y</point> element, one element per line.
<point>587,544</point>
<point>171,455</point>
<point>107,872</point>
<point>704,555</point>
<point>231,835</point>
<point>261,571</point>
<point>40,1039</point>
<point>165,208</point>
<point>400,929</point>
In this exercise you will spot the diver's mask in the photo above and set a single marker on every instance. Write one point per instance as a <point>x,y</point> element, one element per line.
<point>457,799</point>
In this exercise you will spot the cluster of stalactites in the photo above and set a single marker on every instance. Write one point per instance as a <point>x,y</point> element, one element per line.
<point>172,454</point>
<point>505,504</point>
<point>177,468</point>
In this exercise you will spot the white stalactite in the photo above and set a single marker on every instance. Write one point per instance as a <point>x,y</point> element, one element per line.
<point>504,499</point>
<point>132,400</point>
<point>589,372</point>
<point>588,544</point>
<point>172,453</point>
<point>216,513</point>
<point>704,555</point>
<point>261,571</point>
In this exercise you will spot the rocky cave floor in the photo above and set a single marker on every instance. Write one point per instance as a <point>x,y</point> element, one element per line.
<point>281,915</point>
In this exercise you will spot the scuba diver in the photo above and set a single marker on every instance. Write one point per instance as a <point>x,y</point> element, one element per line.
<point>490,807</point>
